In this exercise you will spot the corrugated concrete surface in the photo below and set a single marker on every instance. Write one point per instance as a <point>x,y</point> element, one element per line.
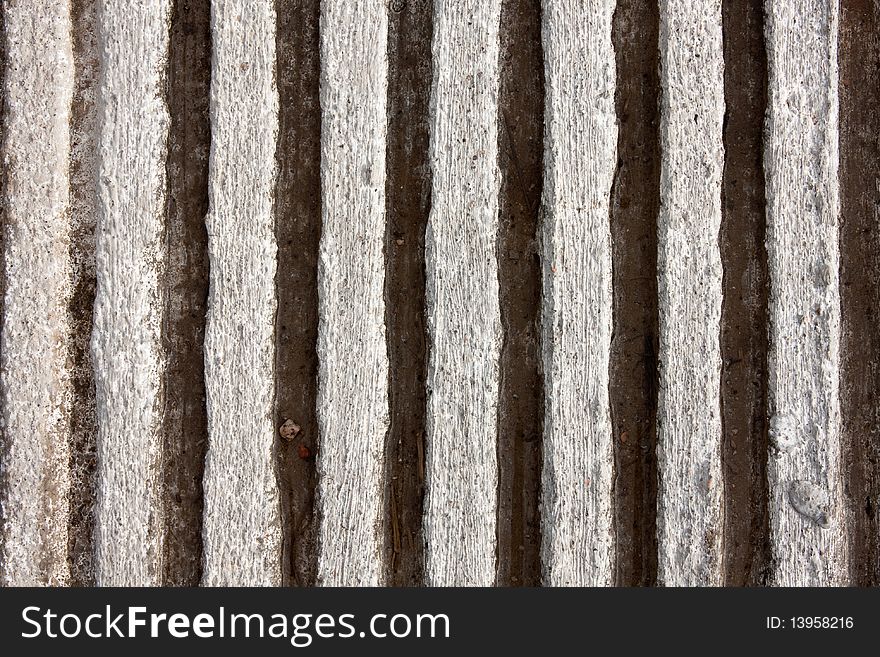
<point>423,292</point>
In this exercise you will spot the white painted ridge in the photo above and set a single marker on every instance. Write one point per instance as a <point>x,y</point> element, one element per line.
<point>352,405</point>
<point>463,313</point>
<point>580,157</point>
<point>126,341</point>
<point>808,521</point>
<point>689,505</point>
<point>242,515</point>
<point>35,392</point>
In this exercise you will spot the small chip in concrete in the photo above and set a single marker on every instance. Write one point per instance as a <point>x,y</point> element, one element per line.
<point>783,433</point>
<point>289,429</point>
<point>811,501</point>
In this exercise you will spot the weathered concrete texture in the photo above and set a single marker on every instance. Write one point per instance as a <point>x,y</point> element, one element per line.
<point>580,159</point>
<point>83,218</point>
<point>462,296</point>
<point>801,153</point>
<point>126,342</point>
<point>35,388</point>
<point>689,505</point>
<point>242,524</point>
<point>353,379</point>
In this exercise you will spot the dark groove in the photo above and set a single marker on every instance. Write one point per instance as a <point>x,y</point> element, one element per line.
<point>187,275</point>
<point>744,307</point>
<point>859,61</point>
<point>298,232</point>
<point>521,394</point>
<point>634,346</point>
<point>407,203</point>
<point>83,208</point>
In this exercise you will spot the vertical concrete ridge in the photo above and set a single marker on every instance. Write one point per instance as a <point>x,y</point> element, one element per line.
<point>745,296</point>
<point>521,394</point>
<point>635,203</point>
<point>859,90</point>
<point>242,539</point>
<point>690,509</point>
<point>808,518</point>
<point>297,233</point>
<point>353,376</point>
<point>126,344</point>
<point>4,443</point>
<point>580,159</point>
<point>35,386</point>
<point>83,218</point>
<point>407,201</point>
<point>186,289</point>
<point>462,297</point>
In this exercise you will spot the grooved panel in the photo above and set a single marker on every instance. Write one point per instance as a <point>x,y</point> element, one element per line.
<point>439,292</point>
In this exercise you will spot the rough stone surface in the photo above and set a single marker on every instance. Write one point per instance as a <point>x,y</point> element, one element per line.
<point>126,343</point>
<point>35,391</point>
<point>689,505</point>
<point>580,160</point>
<point>353,380</point>
<point>801,159</point>
<point>462,297</point>
<point>242,524</point>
